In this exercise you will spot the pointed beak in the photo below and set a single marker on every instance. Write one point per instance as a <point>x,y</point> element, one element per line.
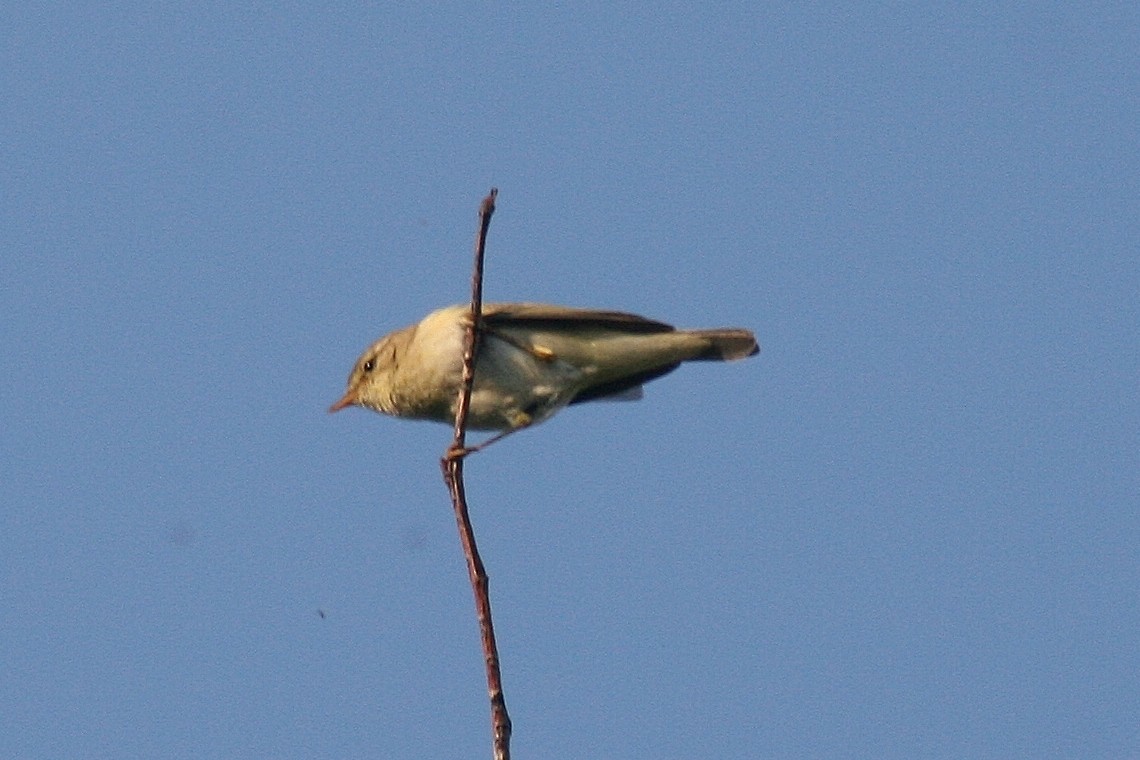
<point>348,400</point>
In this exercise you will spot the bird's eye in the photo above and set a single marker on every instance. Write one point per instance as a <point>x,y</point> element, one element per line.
<point>369,365</point>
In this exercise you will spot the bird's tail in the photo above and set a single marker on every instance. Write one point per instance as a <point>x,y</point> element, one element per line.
<point>725,345</point>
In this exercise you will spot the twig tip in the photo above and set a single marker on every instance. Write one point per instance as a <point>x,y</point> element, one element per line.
<point>487,207</point>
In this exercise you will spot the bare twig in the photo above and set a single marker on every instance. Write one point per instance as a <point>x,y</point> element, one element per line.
<point>452,466</point>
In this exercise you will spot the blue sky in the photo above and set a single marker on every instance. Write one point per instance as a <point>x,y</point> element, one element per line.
<point>908,528</point>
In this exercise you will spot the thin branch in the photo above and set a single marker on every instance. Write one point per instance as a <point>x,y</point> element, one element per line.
<point>474,327</point>
<point>452,466</point>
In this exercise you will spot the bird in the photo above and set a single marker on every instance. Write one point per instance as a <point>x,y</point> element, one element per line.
<point>532,361</point>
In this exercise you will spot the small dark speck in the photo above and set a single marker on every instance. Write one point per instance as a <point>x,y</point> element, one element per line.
<point>180,534</point>
<point>321,613</point>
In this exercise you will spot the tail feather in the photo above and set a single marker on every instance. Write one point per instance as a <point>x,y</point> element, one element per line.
<point>726,345</point>
<point>660,355</point>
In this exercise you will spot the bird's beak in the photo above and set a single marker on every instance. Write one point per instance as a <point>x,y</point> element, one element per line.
<point>348,400</point>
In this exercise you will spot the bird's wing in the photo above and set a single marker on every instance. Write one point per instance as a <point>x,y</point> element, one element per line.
<point>568,335</point>
<point>553,318</point>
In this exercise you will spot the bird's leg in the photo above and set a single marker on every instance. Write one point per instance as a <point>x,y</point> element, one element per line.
<point>522,422</point>
<point>459,452</point>
<point>496,437</point>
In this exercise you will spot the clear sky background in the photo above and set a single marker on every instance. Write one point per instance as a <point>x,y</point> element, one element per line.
<point>908,528</point>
